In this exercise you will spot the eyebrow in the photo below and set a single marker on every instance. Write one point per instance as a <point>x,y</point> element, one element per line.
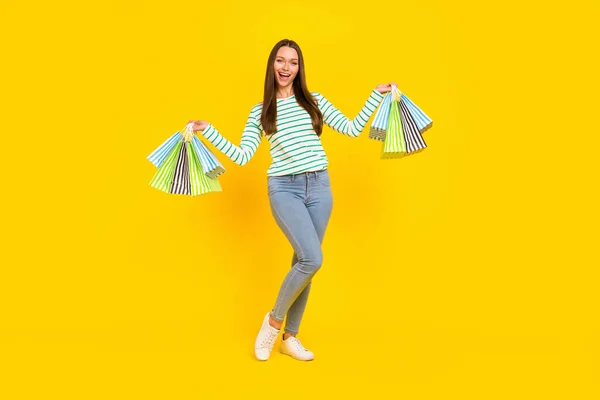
<point>291,59</point>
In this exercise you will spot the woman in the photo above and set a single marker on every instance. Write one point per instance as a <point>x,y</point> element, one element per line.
<point>292,119</point>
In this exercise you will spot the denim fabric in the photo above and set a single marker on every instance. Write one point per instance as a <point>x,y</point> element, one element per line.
<point>301,204</point>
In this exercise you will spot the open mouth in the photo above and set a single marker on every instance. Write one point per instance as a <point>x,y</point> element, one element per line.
<point>284,77</point>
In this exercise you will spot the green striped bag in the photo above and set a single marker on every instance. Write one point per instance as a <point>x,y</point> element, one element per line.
<point>394,145</point>
<point>163,179</point>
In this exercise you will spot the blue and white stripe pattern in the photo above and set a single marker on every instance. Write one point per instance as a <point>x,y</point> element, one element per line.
<point>158,156</point>
<point>210,164</point>
<point>422,120</point>
<point>380,122</point>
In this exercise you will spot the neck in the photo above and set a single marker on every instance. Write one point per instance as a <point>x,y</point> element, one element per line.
<point>285,93</point>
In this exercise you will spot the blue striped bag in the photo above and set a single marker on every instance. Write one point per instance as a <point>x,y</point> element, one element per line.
<point>200,182</point>
<point>380,121</point>
<point>210,164</point>
<point>158,156</point>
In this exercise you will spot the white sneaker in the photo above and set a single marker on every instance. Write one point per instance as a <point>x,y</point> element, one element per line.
<point>265,339</point>
<point>292,346</point>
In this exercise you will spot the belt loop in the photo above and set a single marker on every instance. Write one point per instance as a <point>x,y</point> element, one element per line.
<point>293,177</point>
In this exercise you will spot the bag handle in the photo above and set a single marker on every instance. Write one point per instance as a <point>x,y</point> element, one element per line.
<point>188,132</point>
<point>396,93</point>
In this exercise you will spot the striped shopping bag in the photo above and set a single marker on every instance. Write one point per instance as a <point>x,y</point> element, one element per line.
<point>158,156</point>
<point>394,145</point>
<point>200,182</point>
<point>163,179</point>
<point>210,164</point>
<point>181,171</point>
<point>181,178</point>
<point>380,121</point>
<point>421,119</point>
<point>412,135</point>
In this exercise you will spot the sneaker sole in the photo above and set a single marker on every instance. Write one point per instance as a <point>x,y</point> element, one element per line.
<point>282,351</point>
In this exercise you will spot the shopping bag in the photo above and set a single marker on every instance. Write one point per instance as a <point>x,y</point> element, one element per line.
<point>412,135</point>
<point>394,145</point>
<point>200,182</point>
<point>210,164</point>
<point>410,112</point>
<point>421,119</point>
<point>163,178</point>
<point>380,121</point>
<point>181,171</point>
<point>181,178</point>
<point>158,156</point>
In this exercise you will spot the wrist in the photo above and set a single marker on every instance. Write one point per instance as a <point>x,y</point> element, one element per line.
<point>203,131</point>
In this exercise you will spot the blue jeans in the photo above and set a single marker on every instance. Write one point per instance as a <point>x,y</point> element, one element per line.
<point>301,205</point>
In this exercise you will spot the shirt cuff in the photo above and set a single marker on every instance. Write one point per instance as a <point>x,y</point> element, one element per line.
<point>377,96</point>
<point>208,130</point>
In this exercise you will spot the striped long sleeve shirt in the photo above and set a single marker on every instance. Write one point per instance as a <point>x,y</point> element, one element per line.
<point>295,147</point>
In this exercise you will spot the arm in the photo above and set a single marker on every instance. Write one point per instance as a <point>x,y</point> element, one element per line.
<point>340,123</point>
<point>250,140</point>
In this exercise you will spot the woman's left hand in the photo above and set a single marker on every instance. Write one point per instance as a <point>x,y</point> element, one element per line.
<point>385,87</point>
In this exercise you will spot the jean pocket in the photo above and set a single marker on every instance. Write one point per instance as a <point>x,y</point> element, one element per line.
<point>276,182</point>
<point>323,179</point>
<point>278,179</point>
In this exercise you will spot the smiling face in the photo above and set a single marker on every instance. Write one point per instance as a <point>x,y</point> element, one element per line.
<point>286,67</point>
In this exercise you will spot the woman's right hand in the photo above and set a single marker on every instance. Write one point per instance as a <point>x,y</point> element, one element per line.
<point>385,87</point>
<point>199,124</point>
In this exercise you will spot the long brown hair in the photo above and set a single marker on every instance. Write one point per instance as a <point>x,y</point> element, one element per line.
<point>268,118</point>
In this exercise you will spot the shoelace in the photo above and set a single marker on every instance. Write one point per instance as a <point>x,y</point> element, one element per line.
<point>297,344</point>
<point>269,340</point>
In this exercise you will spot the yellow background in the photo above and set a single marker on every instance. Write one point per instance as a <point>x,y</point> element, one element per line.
<point>468,271</point>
